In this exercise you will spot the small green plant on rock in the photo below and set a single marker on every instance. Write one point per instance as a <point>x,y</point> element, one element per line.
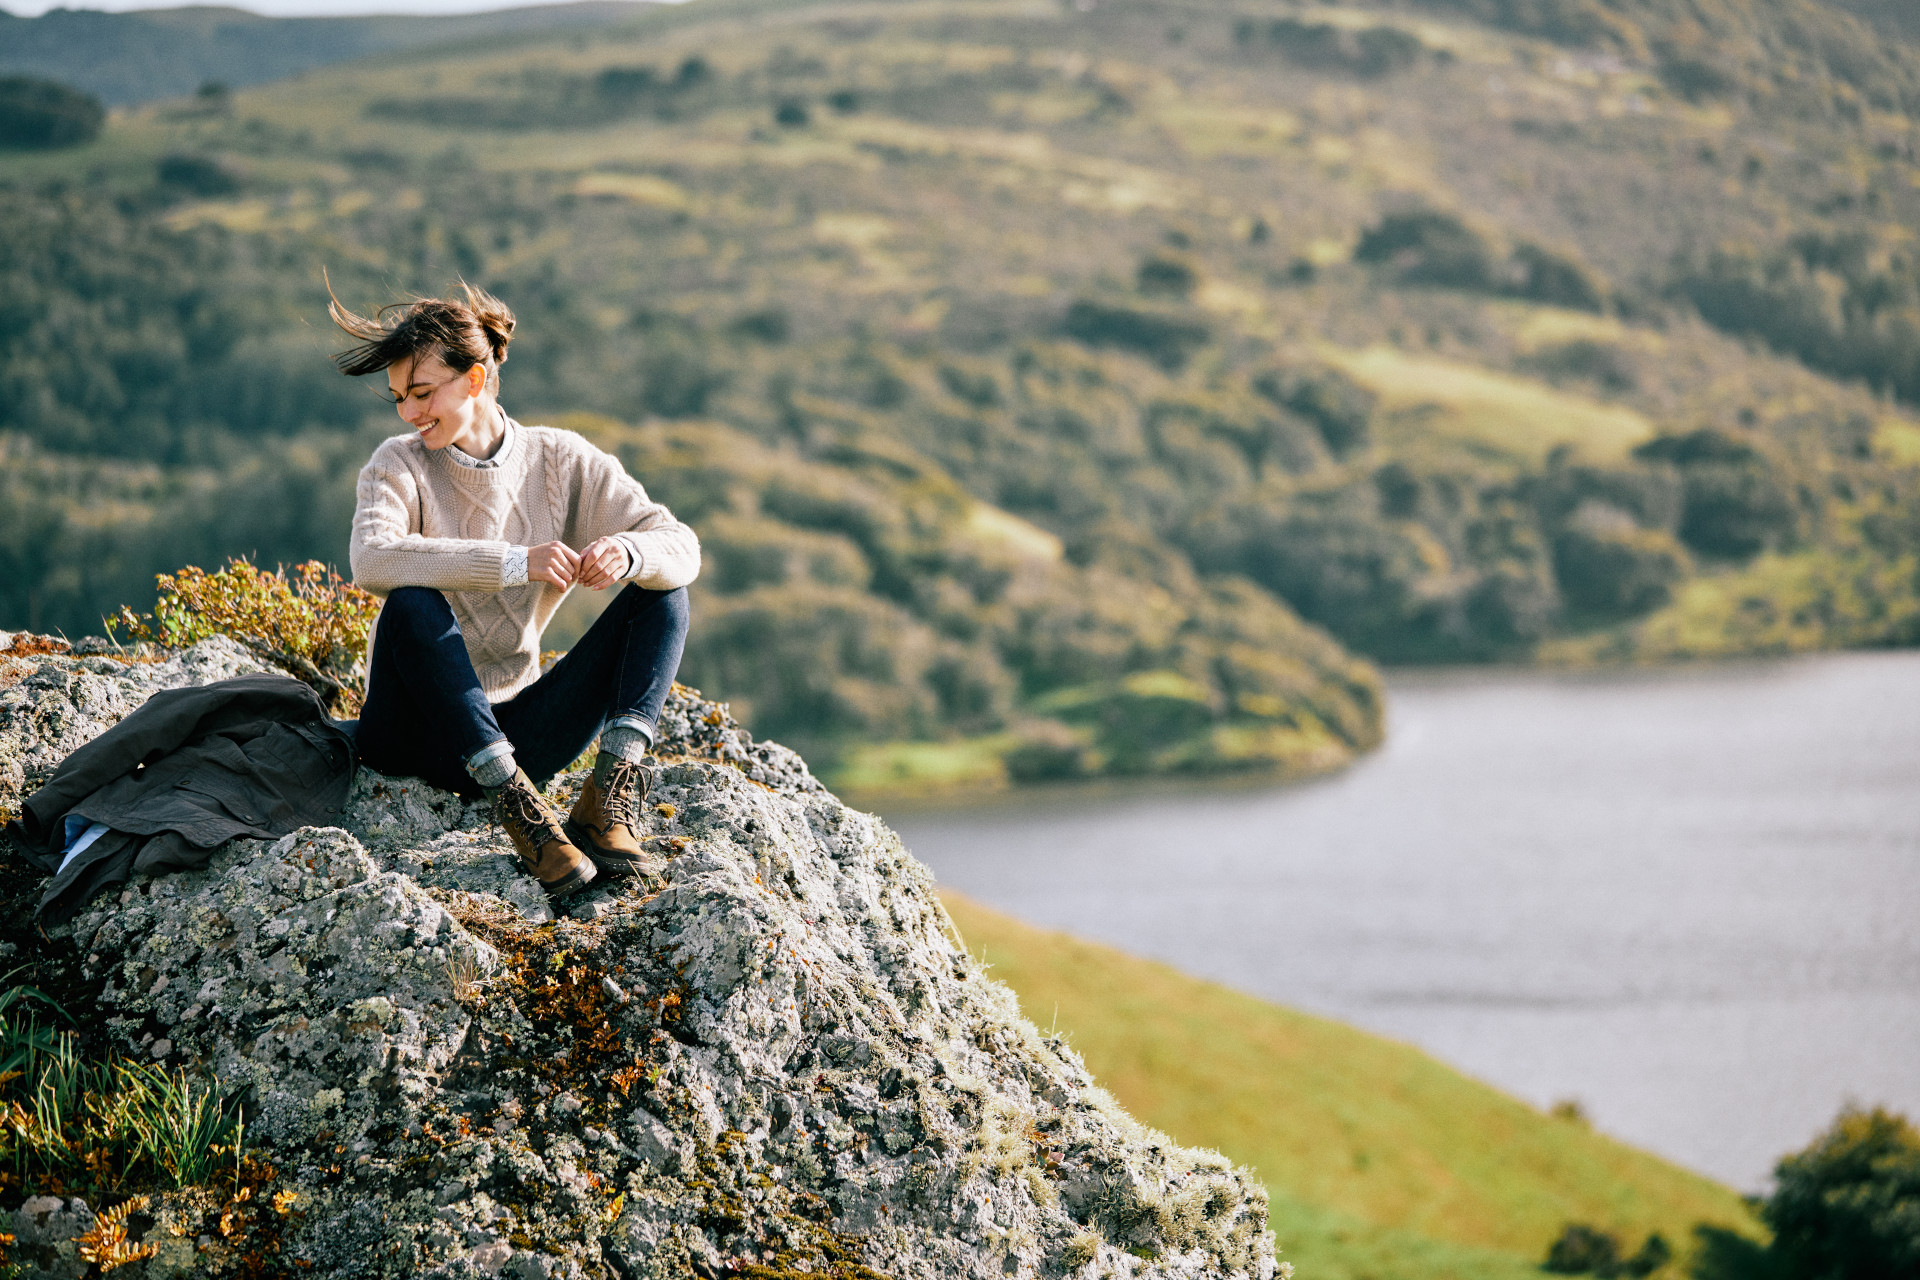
<point>308,621</point>
<point>70,1125</point>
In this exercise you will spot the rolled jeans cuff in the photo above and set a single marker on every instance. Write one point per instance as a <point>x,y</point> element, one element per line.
<point>492,764</point>
<point>627,736</point>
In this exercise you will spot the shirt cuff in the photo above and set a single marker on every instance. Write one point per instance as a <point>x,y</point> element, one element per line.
<point>513,571</point>
<point>634,561</point>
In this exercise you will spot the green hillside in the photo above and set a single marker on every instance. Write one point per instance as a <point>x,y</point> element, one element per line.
<point>1381,1162</point>
<point>1048,382</point>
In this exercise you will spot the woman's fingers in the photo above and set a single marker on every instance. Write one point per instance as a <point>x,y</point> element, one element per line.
<point>553,562</point>
<point>602,563</point>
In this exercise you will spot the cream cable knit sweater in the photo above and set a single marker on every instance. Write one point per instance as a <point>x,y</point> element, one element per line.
<point>423,520</point>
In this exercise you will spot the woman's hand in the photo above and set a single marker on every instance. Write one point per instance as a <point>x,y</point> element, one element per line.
<point>603,563</point>
<point>553,562</point>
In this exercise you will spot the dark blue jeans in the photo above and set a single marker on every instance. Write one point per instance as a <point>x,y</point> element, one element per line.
<point>426,714</point>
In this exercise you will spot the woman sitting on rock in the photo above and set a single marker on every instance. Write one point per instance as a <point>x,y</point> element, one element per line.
<point>474,527</point>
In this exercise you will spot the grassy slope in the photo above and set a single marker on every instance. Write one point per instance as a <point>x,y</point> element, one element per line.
<point>1380,1160</point>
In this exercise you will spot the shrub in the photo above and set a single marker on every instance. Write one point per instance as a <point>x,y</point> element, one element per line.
<point>197,175</point>
<point>40,115</point>
<point>1608,567</point>
<point>1734,501</point>
<point>1047,751</point>
<point>1584,1250</point>
<point>625,85</point>
<point>1340,408</point>
<point>1169,340</point>
<point>1848,1207</point>
<point>1428,247</point>
<point>313,624</point>
<point>1374,51</point>
<point>1556,279</point>
<point>1167,276</point>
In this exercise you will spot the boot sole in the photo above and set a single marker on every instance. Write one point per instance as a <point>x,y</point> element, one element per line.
<point>619,868</point>
<point>571,883</point>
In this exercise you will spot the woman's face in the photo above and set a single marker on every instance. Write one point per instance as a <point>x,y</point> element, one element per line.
<point>443,406</point>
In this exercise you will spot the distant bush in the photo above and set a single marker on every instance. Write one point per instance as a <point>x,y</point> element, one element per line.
<point>1426,246</point>
<point>1848,1207</point>
<point>1338,407</point>
<point>626,85</point>
<point>1697,79</point>
<point>771,325</point>
<point>1168,339</point>
<point>1047,751</point>
<point>1556,279</point>
<point>1167,276</point>
<point>1608,365</point>
<point>791,113</point>
<point>1610,568</point>
<point>1735,501</point>
<point>40,115</point>
<point>1577,23</point>
<point>197,175</point>
<point>1582,1250</point>
<point>1371,51</point>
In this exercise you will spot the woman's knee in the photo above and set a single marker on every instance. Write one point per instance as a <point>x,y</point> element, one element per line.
<point>659,607</point>
<point>414,606</point>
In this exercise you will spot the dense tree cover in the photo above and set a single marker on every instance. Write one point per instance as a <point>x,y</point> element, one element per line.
<point>1846,304</point>
<point>40,114</point>
<point>1848,1207</point>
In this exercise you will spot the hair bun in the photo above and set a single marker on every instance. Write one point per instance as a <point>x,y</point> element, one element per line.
<point>496,320</point>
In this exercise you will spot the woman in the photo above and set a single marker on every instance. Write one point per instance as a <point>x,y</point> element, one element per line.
<point>474,528</point>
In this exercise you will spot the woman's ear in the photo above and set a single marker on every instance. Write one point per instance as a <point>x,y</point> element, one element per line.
<point>476,379</point>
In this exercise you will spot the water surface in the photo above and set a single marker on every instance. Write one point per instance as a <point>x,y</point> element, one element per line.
<point>1686,899</point>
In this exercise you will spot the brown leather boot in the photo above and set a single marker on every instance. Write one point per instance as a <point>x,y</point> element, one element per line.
<point>603,822</point>
<point>534,828</point>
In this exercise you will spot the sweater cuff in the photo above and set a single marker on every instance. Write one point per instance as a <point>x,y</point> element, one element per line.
<point>513,570</point>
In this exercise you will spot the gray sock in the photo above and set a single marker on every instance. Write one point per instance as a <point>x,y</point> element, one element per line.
<point>627,738</point>
<point>493,765</point>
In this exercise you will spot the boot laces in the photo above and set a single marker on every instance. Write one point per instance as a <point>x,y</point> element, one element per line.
<point>627,783</point>
<point>518,805</point>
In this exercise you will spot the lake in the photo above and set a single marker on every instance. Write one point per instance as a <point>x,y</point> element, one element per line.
<point>1688,899</point>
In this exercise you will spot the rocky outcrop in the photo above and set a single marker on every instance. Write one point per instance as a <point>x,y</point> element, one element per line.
<point>783,1064</point>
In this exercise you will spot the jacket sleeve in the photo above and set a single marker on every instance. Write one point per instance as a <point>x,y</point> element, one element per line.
<point>664,553</point>
<point>388,550</point>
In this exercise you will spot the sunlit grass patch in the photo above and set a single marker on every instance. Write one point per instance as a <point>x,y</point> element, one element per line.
<point>920,768</point>
<point>1516,417</point>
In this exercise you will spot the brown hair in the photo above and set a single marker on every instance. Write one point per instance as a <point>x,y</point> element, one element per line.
<point>462,334</point>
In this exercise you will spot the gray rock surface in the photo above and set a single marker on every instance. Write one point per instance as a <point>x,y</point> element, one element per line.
<point>782,1064</point>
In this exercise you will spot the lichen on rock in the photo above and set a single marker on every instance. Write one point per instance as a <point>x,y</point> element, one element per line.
<point>782,1064</point>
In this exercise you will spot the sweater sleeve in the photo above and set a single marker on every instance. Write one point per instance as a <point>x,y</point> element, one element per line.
<point>388,550</point>
<point>664,553</point>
